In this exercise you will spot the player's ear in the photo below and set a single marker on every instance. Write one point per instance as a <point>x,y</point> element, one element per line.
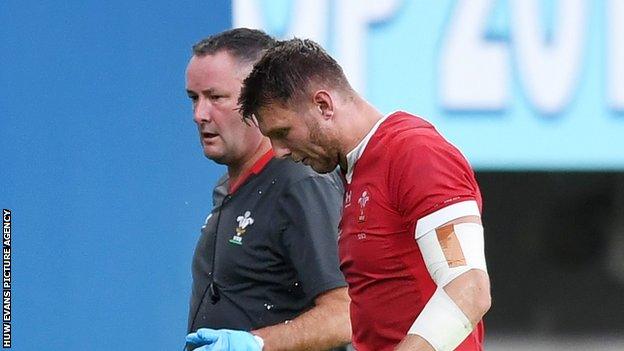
<point>324,103</point>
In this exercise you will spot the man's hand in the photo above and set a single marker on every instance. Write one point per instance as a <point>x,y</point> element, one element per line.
<point>224,340</point>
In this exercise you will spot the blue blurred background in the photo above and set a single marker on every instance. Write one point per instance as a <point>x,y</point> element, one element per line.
<point>102,168</point>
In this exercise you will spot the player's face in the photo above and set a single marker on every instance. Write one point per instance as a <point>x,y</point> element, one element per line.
<point>301,135</point>
<point>213,83</point>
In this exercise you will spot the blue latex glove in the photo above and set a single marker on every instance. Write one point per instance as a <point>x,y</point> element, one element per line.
<point>224,340</point>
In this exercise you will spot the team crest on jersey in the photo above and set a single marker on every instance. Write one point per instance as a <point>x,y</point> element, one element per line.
<point>244,221</point>
<point>362,201</point>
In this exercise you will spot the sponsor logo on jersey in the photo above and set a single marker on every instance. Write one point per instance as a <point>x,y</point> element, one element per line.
<point>347,200</point>
<point>244,221</point>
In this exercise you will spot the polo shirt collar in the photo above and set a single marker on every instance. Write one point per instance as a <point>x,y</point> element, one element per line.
<point>357,152</point>
<point>255,169</point>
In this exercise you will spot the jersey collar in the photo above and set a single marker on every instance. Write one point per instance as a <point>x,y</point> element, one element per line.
<point>357,152</point>
<point>255,169</point>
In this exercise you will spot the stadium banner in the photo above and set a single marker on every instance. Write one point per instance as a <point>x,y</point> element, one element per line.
<point>515,84</point>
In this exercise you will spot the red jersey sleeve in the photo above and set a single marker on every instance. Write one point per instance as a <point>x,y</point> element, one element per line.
<point>430,181</point>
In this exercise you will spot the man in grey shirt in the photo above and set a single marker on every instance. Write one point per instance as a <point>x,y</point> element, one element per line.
<point>265,269</point>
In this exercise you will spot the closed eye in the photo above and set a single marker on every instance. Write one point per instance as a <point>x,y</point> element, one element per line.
<point>216,97</point>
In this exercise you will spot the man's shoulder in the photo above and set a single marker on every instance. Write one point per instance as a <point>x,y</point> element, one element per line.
<point>289,173</point>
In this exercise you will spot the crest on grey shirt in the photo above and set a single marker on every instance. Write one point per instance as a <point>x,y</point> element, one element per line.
<point>244,221</point>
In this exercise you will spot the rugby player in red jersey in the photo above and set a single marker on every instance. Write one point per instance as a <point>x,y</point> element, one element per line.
<point>411,240</point>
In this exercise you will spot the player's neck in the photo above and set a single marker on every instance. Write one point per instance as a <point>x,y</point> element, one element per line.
<point>235,171</point>
<point>361,118</point>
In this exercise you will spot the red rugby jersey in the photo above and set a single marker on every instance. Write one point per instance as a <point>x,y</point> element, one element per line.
<point>403,180</point>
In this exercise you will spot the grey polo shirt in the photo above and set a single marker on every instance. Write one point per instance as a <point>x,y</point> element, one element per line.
<point>270,248</point>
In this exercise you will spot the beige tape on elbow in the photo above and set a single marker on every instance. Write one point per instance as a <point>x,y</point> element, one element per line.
<point>452,250</point>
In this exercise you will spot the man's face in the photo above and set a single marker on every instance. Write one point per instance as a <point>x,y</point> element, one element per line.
<point>302,135</point>
<point>213,82</point>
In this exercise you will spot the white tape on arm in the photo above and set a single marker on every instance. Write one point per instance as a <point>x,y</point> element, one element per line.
<point>448,252</point>
<point>442,323</point>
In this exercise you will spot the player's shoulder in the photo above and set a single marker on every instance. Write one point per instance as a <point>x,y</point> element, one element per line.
<point>404,131</point>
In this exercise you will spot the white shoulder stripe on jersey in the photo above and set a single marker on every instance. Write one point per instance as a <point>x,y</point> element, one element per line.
<point>444,215</point>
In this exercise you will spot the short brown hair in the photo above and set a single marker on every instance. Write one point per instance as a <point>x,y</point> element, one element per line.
<point>284,73</point>
<point>244,44</point>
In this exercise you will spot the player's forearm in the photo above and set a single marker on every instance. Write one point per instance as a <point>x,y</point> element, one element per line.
<point>471,293</point>
<point>324,326</point>
<point>413,342</point>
